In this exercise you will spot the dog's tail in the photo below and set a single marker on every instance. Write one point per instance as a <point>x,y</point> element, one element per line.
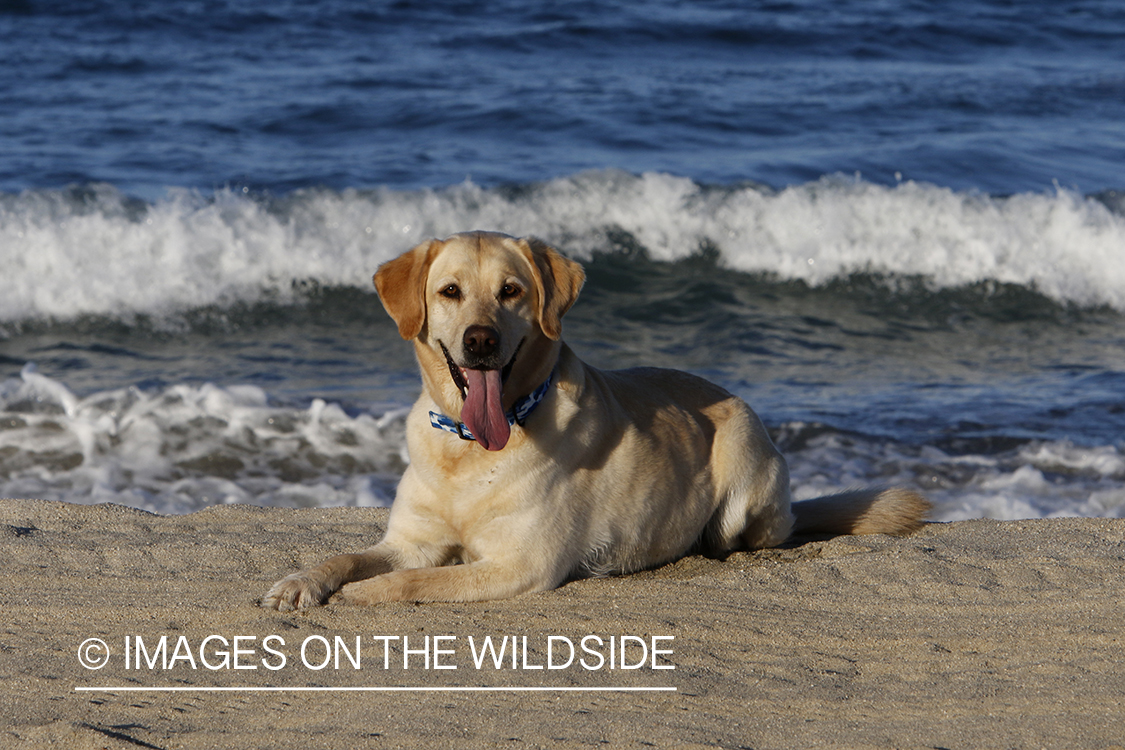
<point>876,511</point>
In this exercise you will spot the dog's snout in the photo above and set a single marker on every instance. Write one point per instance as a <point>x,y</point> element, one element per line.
<point>481,341</point>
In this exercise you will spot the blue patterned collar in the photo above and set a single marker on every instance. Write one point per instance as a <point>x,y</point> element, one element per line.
<point>518,415</point>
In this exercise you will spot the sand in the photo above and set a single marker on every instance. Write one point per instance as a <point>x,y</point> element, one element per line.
<point>975,634</point>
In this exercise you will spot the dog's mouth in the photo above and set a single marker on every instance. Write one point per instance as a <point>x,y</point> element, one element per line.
<point>482,391</point>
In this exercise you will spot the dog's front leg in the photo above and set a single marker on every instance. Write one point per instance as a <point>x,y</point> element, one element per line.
<point>312,587</point>
<point>482,580</point>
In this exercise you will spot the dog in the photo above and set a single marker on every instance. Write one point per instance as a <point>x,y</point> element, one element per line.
<point>529,468</point>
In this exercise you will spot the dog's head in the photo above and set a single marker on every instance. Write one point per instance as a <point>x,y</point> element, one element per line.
<point>483,309</point>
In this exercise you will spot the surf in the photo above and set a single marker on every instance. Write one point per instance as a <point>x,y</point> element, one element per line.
<point>91,250</point>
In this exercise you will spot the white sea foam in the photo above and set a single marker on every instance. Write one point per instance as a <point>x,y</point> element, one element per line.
<point>1042,479</point>
<point>93,251</point>
<point>184,448</point>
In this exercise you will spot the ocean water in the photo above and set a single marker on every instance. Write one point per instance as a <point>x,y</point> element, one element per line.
<point>897,229</point>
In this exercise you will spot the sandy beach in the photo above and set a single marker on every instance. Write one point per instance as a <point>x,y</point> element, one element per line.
<point>967,635</point>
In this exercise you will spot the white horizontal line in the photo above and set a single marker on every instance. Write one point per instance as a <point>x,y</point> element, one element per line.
<point>392,689</point>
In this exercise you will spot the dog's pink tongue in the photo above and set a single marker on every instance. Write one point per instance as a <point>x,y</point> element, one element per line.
<point>483,412</point>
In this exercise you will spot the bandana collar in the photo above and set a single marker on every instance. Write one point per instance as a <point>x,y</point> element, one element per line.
<point>521,410</point>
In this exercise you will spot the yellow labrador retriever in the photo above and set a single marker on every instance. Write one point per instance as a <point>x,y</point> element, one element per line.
<point>528,467</point>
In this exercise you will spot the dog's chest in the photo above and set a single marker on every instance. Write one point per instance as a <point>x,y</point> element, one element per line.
<point>467,490</point>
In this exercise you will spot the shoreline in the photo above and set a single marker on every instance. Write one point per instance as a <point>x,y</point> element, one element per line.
<point>968,634</point>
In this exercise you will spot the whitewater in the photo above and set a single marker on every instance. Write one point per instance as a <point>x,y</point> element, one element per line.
<point>212,289</point>
<point>94,251</point>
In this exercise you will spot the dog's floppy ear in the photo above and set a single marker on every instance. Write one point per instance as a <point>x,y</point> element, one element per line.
<point>558,281</point>
<point>401,284</point>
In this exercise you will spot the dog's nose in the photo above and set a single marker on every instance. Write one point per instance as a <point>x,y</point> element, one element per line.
<point>481,341</point>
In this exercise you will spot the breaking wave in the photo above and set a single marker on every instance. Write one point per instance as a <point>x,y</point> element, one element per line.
<point>91,250</point>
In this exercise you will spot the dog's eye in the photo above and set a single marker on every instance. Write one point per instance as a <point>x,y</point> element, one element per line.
<point>510,291</point>
<point>451,292</point>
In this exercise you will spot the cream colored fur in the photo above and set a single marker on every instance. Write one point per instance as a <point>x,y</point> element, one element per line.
<point>613,472</point>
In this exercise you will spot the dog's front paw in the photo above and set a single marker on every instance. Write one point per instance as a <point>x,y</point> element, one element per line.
<point>309,588</point>
<point>364,593</point>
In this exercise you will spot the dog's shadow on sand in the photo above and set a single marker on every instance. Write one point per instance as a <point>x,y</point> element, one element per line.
<point>794,550</point>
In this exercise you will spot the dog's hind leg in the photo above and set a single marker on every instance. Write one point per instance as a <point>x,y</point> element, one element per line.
<point>752,480</point>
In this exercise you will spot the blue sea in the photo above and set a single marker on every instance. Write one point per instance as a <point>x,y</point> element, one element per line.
<point>896,228</point>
